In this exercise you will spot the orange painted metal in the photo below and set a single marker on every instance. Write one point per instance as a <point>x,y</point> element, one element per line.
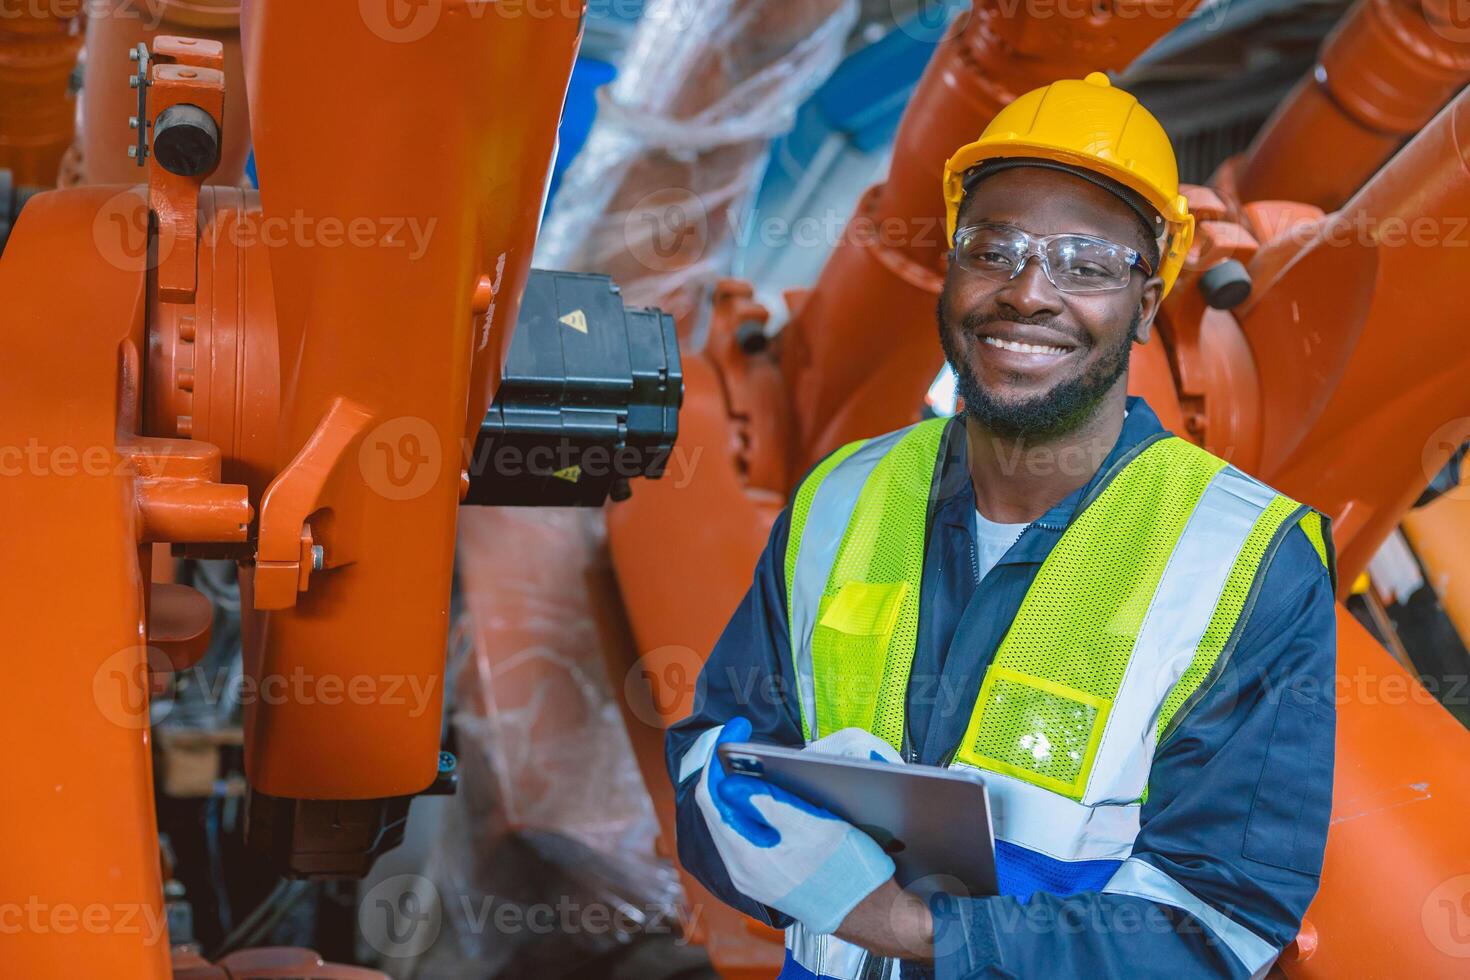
<point>212,366</point>
<point>1364,309</point>
<point>269,963</point>
<point>448,179</point>
<point>185,71</point>
<point>117,27</point>
<point>1394,880</point>
<point>1383,73</point>
<point>74,708</point>
<point>38,50</point>
<point>180,620</point>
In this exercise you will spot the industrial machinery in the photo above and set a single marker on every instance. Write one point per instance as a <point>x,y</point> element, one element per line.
<point>310,380</point>
<point>295,381</point>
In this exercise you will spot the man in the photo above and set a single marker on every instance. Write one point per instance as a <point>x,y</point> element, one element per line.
<point>1131,640</point>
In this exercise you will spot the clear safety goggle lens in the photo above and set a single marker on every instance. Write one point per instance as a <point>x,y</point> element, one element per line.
<point>1073,263</point>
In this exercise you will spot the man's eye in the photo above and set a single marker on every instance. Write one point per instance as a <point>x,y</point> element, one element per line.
<point>1088,270</point>
<point>991,256</point>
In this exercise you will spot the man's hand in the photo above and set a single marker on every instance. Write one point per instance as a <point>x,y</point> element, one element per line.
<point>891,922</point>
<point>781,850</point>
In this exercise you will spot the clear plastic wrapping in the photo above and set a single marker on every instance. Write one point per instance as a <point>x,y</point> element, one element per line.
<point>546,858</point>
<point>657,196</point>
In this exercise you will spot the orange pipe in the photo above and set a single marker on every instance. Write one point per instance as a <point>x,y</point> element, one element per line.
<point>108,101</point>
<point>1383,73</point>
<point>80,866</point>
<point>1368,306</point>
<point>381,332</point>
<point>37,110</point>
<point>863,347</point>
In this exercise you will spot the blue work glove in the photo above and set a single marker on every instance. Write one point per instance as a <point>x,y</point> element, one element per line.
<point>783,851</point>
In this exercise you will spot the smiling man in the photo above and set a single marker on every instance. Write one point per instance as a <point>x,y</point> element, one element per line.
<point>1131,640</point>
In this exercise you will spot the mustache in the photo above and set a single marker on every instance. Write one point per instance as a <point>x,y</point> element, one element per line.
<point>976,320</point>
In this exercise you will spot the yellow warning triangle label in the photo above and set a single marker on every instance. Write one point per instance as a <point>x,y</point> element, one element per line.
<point>577,320</point>
<point>571,474</point>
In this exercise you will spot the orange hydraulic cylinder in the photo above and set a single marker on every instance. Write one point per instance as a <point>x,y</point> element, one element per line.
<point>863,348</point>
<point>1383,73</point>
<point>397,284</point>
<point>1358,338</point>
<point>37,111</point>
<point>108,102</point>
<point>80,868</point>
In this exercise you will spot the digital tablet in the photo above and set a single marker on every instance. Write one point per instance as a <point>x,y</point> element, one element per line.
<point>934,823</point>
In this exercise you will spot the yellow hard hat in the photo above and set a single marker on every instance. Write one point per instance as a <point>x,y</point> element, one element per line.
<point>1090,126</point>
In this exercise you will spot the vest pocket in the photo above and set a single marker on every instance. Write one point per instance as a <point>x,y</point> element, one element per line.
<point>850,658</point>
<point>1037,730</point>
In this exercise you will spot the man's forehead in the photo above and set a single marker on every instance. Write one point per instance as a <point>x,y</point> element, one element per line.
<point>1048,202</point>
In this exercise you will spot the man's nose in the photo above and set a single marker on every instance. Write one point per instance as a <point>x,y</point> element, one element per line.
<point>1030,292</point>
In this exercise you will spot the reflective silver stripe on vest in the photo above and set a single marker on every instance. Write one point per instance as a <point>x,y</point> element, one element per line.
<point>1182,606</point>
<point>1142,880</point>
<point>828,956</point>
<point>826,521</point>
<point>1043,821</point>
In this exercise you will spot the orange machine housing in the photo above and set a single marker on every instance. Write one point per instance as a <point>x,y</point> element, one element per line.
<point>290,383</point>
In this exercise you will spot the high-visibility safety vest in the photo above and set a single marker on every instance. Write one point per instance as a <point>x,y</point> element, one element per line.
<point>1136,606</point>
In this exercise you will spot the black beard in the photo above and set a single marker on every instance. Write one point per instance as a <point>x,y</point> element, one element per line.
<point>1047,416</point>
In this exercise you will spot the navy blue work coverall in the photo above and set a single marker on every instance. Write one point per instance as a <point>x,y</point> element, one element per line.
<point>1239,795</point>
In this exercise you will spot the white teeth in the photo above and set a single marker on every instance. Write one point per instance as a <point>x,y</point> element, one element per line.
<point>1023,348</point>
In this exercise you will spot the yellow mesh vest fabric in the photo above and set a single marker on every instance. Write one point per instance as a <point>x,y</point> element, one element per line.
<point>1045,700</point>
<point>867,622</point>
<point>1312,526</point>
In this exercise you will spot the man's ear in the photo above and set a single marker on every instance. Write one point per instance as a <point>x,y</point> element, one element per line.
<point>1148,308</point>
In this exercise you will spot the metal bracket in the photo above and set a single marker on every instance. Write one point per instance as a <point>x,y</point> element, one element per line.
<point>140,81</point>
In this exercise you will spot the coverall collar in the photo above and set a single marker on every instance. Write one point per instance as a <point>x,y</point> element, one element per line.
<point>957,494</point>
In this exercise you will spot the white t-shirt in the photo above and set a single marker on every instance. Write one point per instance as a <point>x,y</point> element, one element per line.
<point>992,541</point>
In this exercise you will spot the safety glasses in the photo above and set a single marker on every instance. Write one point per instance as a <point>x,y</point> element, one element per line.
<point>1072,263</point>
